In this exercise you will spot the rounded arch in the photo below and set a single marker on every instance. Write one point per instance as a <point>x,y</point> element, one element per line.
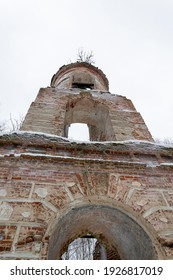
<point>85,109</point>
<point>109,225</point>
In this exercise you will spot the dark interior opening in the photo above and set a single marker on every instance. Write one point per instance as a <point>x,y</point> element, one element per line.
<point>82,86</point>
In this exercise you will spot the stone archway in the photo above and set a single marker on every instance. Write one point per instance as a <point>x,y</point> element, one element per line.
<point>110,226</point>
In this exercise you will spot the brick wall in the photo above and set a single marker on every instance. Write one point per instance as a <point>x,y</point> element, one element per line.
<point>43,177</point>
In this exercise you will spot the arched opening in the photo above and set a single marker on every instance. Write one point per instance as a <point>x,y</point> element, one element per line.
<point>78,131</point>
<point>119,234</point>
<point>95,115</point>
<point>88,247</point>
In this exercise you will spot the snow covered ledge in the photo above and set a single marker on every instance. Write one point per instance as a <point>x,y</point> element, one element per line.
<point>43,145</point>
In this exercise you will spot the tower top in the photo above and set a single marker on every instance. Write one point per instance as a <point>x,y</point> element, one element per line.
<point>79,93</point>
<point>80,75</point>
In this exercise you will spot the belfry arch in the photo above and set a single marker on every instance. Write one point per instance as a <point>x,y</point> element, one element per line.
<point>115,230</point>
<point>95,114</point>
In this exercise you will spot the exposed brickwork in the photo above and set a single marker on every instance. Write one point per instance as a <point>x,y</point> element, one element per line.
<point>46,178</point>
<point>109,117</point>
<point>35,188</point>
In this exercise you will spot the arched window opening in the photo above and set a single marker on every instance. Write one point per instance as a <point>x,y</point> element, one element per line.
<point>83,80</point>
<point>94,114</point>
<point>78,131</point>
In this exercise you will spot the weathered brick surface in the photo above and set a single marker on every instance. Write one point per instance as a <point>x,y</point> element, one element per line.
<point>124,122</point>
<point>35,188</point>
<point>109,117</point>
<point>44,178</point>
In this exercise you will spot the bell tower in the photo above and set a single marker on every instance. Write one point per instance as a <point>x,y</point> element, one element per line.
<point>79,93</point>
<point>115,190</point>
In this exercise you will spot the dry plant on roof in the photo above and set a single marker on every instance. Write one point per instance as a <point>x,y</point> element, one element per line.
<point>83,56</point>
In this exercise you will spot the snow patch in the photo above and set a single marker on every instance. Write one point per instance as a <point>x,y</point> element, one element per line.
<point>51,136</point>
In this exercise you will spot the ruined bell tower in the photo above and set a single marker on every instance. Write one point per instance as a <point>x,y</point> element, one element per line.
<point>79,93</point>
<point>117,188</point>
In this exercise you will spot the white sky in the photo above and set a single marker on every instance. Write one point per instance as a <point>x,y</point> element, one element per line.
<point>132,42</point>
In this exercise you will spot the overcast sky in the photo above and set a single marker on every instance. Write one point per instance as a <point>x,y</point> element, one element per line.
<point>132,42</point>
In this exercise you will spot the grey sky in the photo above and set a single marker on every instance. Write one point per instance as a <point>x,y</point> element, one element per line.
<point>132,42</point>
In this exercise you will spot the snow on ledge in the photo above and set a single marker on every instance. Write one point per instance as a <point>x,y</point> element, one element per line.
<point>53,136</point>
<point>149,164</point>
<point>69,157</point>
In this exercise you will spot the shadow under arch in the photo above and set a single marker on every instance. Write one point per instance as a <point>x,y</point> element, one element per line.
<point>109,225</point>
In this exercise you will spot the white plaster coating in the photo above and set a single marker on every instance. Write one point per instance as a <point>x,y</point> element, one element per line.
<point>5,211</point>
<point>3,192</point>
<point>136,184</point>
<point>163,219</point>
<point>26,214</point>
<point>37,247</point>
<point>41,192</point>
<point>142,202</point>
<point>70,184</point>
